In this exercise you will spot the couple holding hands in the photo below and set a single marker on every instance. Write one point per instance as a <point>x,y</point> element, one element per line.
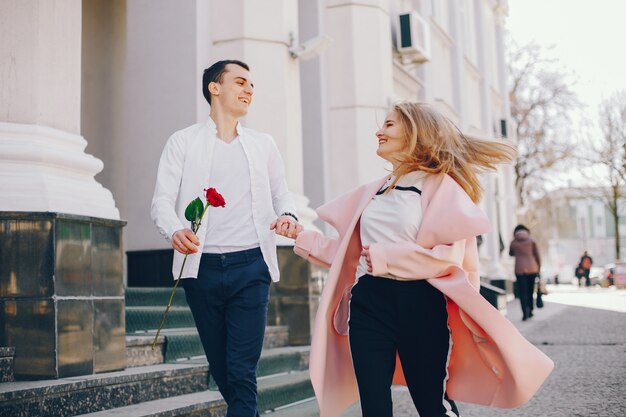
<point>401,303</point>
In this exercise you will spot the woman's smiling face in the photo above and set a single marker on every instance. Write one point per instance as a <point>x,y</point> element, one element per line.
<point>391,139</point>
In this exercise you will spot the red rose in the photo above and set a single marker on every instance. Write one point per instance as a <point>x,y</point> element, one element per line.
<point>214,198</point>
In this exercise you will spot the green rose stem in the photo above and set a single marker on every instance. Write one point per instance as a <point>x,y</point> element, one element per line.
<point>194,229</point>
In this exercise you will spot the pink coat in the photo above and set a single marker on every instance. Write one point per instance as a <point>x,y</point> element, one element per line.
<point>491,363</point>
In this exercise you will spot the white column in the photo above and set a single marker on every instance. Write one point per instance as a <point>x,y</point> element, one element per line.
<point>458,62</point>
<point>359,85</point>
<point>260,33</point>
<point>508,197</point>
<point>428,93</point>
<point>42,161</point>
<point>314,124</point>
<point>493,268</point>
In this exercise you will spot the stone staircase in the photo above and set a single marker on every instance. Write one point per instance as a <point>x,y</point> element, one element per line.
<point>172,380</point>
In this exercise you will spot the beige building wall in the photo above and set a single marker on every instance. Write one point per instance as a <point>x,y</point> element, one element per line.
<point>141,66</point>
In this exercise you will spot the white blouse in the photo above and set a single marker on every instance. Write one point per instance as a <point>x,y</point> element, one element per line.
<point>393,217</point>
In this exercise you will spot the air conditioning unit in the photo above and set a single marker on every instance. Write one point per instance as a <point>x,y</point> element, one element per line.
<point>413,37</point>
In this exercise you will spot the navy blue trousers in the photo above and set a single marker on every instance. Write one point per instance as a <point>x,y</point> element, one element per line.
<point>407,318</point>
<point>229,304</point>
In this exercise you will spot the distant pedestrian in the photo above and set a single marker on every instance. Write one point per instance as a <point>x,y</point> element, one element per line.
<point>583,269</point>
<point>527,266</point>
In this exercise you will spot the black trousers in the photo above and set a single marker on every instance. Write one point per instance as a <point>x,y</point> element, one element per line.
<point>408,318</point>
<point>526,287</point>
<point>229,304</point>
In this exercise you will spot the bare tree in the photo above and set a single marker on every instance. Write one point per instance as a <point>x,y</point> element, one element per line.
<point>542,104</point>
<point>611,153</point>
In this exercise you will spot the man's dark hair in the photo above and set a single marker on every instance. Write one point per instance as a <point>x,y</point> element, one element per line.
<point>215,73</point>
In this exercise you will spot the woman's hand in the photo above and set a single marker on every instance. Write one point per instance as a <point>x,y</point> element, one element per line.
<point>366,254</point>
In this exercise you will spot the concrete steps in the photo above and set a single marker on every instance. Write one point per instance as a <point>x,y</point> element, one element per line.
<point>309,408</point>
<point>154,297</point>
<point>279,390</point>
<point>273,392</point>
<point>305,408</point>
<point>282,380</point>
<point>90,393</point>
<point>142,318</point>
<point>184,343</point>
<point>205,403</point>
<point>172,380</point>
<point>144,309</point>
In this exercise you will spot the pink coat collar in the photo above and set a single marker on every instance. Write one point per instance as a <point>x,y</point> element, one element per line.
<point>449,214</point>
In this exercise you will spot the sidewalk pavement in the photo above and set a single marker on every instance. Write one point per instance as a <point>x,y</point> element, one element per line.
<point>583,330</point>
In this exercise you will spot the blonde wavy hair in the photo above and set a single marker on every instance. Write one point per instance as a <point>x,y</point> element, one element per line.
<point>435,145</point>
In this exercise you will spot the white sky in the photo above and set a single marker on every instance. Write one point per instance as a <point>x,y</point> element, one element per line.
<point>589,39</point>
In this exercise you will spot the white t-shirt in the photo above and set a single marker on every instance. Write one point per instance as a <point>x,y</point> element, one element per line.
<point>230,176</point>
<point>393,217</point>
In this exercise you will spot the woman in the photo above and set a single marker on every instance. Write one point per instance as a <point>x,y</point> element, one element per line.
<point>401,304</point>
<point>527,266</point>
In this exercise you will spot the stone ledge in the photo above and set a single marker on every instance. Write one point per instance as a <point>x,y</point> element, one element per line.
<point>139,351</point>
<point>30,389</point>
<point>87,394</point>
<point>48,215</point>
<point>206,404</point>
<point>6,364</point>
<point>7,352</point>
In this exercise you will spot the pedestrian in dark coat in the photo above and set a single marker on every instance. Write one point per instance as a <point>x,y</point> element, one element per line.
<point>527,266</point>
<point>584,268</point>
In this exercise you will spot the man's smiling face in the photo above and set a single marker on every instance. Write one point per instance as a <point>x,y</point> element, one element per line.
<point>234,92</point>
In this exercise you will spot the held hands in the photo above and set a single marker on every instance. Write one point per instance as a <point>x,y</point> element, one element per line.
<point>185,241</point>
<point>366,254</point>
<point>286,226</point>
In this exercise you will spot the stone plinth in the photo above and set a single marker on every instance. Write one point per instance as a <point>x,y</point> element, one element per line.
<point>61,294</point>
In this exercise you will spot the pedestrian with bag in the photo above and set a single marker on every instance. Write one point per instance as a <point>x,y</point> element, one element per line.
<point>541,291</point>
<point>527,266</point>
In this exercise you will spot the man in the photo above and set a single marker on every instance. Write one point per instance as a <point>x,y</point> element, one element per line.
<point>232,260</point>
